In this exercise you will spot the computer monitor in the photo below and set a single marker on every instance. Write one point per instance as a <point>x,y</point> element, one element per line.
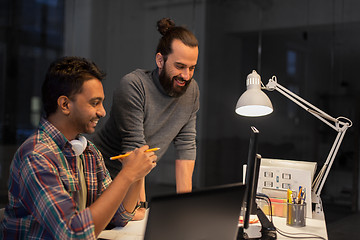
<point>252,175</point>
<point>249,203</point>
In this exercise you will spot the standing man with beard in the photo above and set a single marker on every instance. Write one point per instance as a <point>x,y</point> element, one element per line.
<point>157,107</point>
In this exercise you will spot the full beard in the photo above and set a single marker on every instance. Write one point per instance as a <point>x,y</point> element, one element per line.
<point>168,84</point>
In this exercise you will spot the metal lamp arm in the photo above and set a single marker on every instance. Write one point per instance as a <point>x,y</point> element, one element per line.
<point>320,179</point>
<point>318,113</point>
<point>334,123</point>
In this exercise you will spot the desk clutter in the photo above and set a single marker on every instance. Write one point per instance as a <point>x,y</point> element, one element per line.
<point>278,207</point>
<point>280,200</point>
<point>296,213</point>
<point>276,176</point>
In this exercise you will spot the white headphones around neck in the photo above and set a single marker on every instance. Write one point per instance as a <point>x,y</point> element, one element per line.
<point>79,145</point>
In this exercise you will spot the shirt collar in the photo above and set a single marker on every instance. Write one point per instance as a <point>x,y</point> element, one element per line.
<point>156,80</point>
<point>59,139</point>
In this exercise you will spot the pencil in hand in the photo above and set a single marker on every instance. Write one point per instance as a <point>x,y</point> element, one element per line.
<point>127,154</point>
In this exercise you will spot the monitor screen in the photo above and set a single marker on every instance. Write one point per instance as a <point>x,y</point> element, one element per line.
<point>268,231</point>
<point>252,175</point>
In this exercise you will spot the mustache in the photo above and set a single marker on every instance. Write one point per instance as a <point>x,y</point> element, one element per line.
<point>182,79</point>
<point>178,78</point>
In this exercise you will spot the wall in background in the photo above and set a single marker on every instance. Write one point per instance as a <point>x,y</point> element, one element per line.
<point>31,36</point>
<point>260,35</point>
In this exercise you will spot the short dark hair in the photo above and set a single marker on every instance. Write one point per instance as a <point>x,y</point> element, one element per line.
<point>169,32</point>
<point>65,77</point>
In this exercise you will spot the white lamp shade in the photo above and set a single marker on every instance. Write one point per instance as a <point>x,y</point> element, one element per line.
<point>253,102</point>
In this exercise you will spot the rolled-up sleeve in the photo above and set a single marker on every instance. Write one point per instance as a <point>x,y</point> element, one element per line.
<point>122,217</point>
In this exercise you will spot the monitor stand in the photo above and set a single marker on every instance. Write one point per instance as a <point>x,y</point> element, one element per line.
<point>267,229</point>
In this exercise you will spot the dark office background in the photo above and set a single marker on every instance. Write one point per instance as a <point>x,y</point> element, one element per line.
<point>311,46</point>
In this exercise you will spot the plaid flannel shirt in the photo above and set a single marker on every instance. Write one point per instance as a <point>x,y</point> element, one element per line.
<point>42,189</point>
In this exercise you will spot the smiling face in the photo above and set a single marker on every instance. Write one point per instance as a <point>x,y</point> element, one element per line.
<point>177,69</point>
<point>86,107</point>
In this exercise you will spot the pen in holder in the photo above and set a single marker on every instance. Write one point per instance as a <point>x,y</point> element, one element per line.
<point>296,214</point>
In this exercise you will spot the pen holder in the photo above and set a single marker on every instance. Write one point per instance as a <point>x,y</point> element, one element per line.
<point>296,214</point>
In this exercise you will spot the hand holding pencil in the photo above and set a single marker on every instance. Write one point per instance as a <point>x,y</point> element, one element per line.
<point>138,163</point>
<point>127,154</point>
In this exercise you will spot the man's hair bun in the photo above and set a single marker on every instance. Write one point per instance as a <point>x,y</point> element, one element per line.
<point>164,25</point>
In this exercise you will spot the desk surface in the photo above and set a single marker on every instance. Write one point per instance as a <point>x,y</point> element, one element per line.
<point>315,226</point>
<point>135,229</point>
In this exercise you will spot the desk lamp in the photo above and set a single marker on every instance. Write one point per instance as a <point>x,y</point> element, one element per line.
<point>254,103</point>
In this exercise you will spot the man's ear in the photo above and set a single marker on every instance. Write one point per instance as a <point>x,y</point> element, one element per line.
<point>159,60</point>
<point>64,104</point>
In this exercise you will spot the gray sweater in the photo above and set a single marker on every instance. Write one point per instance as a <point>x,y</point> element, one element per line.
<point>142,113</point>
